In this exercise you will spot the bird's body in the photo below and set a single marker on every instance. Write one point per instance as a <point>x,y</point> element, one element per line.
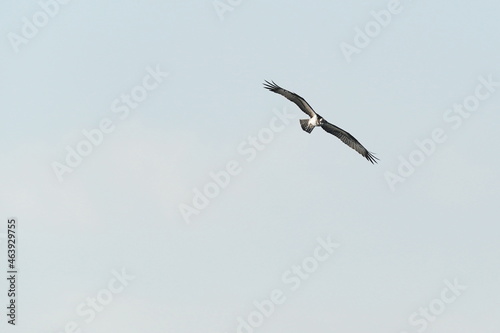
<point>309,124</point>
<point>316,120</point>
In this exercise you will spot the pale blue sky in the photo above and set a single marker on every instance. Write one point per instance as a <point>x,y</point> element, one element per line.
<point>120,207</point>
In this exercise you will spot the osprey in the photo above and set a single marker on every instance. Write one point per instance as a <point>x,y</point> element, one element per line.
<point>316,120</point>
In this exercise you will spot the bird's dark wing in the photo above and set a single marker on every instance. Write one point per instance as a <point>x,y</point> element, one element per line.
<point>301,103</point>
<point>349,140</point>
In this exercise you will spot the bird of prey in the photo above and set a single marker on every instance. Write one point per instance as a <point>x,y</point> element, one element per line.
<point>316,120</point>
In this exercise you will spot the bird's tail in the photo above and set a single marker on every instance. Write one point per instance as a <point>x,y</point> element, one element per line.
<point>304,123</point>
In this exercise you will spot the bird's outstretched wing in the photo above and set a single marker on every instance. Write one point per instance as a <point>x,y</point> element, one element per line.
<point>301,103</point>
<point>349,140</point>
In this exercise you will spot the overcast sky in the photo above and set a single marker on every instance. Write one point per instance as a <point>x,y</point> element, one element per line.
<point>159,188</point>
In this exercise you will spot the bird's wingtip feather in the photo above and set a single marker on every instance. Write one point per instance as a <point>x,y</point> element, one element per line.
<point>270,85</point>
<point>372,158</point>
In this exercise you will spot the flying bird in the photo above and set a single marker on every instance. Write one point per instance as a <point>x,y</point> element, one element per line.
<point>316,120</point>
